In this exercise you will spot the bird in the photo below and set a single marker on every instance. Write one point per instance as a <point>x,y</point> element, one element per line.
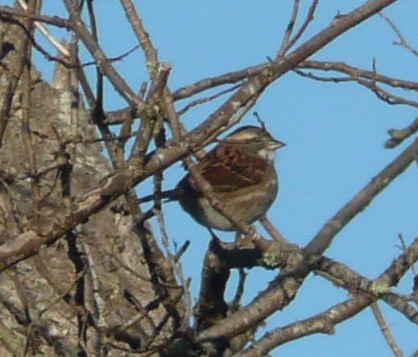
<point>242,175</point>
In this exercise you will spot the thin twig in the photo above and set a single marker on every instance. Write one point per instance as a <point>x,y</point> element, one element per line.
<point>239,293</point>
<point>402,41</point>
<point>99,56</point>
<point>289,29</point>
<point>206,99</point>
<point>356,72</point>
<point>42,28</point>
<point>51,20</point>
<point>274,233</point>
<point>181,251</point>
<point>381,94</point>
<point>403,245</point>
<point>385,330</point>
<point>309,18</point>
<point>289,42</point>
<point>112,59</point>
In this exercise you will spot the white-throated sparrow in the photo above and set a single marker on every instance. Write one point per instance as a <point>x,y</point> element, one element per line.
<point>241,172</point>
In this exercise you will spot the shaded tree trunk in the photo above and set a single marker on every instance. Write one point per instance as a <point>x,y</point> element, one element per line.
<point>93,282</point>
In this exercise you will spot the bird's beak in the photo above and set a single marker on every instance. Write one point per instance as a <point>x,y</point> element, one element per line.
<point>276,144</point>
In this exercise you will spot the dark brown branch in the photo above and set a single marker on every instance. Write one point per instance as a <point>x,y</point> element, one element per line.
<point>115,151</point>
<point>212,307</point>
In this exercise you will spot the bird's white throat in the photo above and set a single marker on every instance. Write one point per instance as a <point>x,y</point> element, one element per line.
<point>267,155</point>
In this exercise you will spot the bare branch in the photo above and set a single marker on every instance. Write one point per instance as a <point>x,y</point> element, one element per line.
<point>321,323</point>
<point>99,56</point>
<point>309,18</point>
<point>282,291</point>
<point>56,21</point>
<point>289,29</point>
<point>397,136</point>
<point>206,99</point>
<point>286,45</point>
<point>325,322</point>
<point>118,183</point>
<point>324,237</point>
<point>402,41</point>
<point>355,73</point>
<point>385,330</point>
<point>402,305</point>
<point>274,233</point>
<point>381,94</point>
<point>142,36</point>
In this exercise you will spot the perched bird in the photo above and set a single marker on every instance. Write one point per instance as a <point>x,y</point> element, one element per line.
<point>241,172</point>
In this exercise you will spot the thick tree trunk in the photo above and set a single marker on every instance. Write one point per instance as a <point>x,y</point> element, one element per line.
<point>72,294</point>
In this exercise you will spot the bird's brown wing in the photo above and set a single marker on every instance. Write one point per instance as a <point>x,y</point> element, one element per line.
<point>228,169</point>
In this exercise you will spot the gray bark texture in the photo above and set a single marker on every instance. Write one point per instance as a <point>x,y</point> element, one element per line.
<point>77,292</point>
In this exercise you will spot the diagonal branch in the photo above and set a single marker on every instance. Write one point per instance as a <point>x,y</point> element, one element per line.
<point>322,323</point>
<point>289,29</point>
<point>118,183</point>
<point>289,42</point>
<point>386,330</point>
<point>142,36</point>
<point>282,291</point>
<point>397,136</point>
<point>361,200</point>
<point>99,56</point>
<point>325,322</point>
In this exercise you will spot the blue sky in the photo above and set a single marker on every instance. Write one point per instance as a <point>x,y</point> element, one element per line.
<point>334,135</point>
